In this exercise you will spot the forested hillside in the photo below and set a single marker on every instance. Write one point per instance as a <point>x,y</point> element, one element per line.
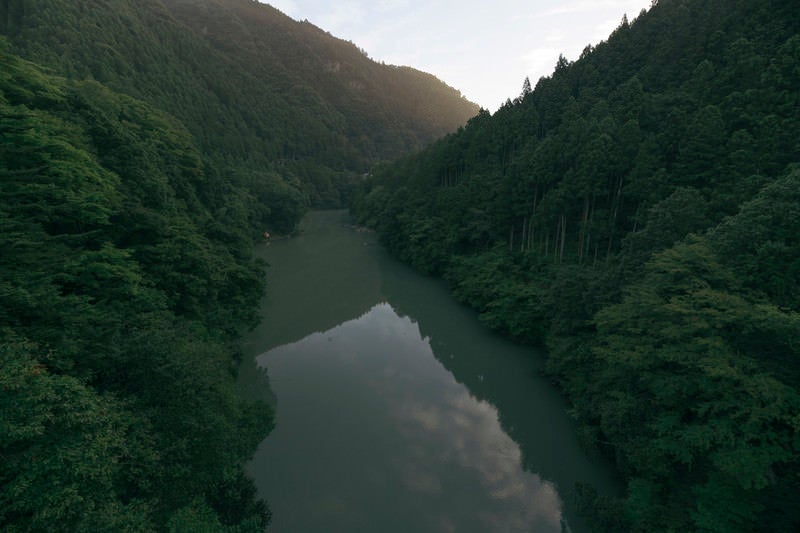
<point>260,91</point>
<point>639,212</point>
<point>143,145</point>
<point>122,294</point>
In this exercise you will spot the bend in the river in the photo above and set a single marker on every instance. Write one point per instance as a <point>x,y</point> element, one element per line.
<point>396,409</point>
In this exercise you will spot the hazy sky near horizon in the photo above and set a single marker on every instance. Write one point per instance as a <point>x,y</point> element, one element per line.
<point>483,49</point>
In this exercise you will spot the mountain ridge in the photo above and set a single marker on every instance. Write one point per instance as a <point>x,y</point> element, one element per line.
<point>139,161</point>
<point>258,89</point>
<point>637,214</point>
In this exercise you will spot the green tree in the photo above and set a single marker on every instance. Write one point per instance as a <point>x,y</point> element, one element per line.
<point>63,448</point>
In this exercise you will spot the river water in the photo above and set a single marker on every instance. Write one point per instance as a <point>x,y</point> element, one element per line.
<point>396,410</point>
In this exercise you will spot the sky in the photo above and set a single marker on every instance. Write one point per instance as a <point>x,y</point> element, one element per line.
<point>483,49</point>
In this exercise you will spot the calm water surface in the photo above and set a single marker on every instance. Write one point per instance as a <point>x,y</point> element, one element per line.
<point>396,409</point>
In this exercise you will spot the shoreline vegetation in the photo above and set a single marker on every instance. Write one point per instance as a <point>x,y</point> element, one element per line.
<point>637,213</point>
<point>140,161</point>
<point>122,303</point>
<point>144,147</point>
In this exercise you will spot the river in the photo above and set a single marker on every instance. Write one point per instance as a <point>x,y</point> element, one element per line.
<point>396,410</point>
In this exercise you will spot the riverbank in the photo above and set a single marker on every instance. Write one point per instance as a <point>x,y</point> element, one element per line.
<point>390,415</point>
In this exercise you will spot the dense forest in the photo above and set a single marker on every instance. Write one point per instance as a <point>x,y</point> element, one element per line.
<point>143,146</point>
<point>121,298</point>
<point>263,94</point>
<point>638,213</point>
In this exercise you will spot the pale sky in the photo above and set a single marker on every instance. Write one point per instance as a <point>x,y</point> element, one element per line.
<point>483,49</point>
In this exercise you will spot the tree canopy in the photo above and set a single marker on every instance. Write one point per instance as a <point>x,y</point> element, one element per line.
<point>143,146</point>
<point>260,92</point>
<point>637,213</point>
<point>121,298</point>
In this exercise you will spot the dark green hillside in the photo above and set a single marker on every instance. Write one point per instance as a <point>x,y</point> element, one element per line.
<point>387,110</point>
<point>258,90</point>
<point>638,213</point>
<point>121,292</point>
<point>141,150</point>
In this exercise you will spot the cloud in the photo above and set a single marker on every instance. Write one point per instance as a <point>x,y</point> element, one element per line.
<point>461,432</point>
<point>412,423</point>
<point>588,6</point>
<point>541,62</point>
<point>387,6</point>
<point>288,7</point>
<point>555,35</point>
<point>342,16</point>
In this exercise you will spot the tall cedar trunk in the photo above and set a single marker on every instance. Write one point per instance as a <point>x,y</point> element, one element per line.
<point>555,241</point>
<point>584,229</point>
<point>615,207</point>
<point>533,216</point>
<point>591,224</point>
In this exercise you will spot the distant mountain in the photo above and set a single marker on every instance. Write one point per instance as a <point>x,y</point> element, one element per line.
<point>143,144</point>
<point>638,212</point>
<point>373,98</point>
<point>256,88</point>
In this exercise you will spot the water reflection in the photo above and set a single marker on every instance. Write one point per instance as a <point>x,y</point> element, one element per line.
<point>410,417</point>
<point>374,434</point>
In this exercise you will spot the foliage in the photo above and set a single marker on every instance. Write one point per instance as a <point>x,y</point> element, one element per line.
<point>260,92</point>
<point>121,297</point>
<point>638,212</point>
<point>130,194</point>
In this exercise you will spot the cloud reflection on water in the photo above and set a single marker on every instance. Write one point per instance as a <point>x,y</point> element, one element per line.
<point>438,444</point>
<point>454,429</point>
